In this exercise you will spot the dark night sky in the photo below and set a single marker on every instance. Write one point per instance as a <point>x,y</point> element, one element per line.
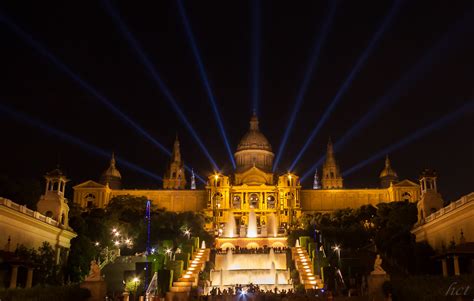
<point>85,37</point>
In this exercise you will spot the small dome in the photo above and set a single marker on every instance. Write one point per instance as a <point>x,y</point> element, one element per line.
<point>388,171</point>
<point>254,139</point>
<point>112,171</point>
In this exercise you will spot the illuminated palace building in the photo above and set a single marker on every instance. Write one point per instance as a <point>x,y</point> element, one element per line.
<point>252,188</point>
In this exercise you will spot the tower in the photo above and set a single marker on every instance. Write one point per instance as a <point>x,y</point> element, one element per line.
<point>111,176</point>
<point>174,177</point>
<point>387,175</point>
<point>193,180</point>
<point>431,201</point>
<point>316,184</point>
<point>332,178</point>
<point>52,203</point>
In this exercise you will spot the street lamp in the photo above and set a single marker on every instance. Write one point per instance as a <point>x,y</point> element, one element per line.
<point>337,249</point>
<point>135,281</point>
<point>168,252</point>
<point>187,232</point>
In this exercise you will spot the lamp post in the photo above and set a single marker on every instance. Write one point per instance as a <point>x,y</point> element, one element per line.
<point>135,281</point>
<point>337,249</point>
<point>187,232</point>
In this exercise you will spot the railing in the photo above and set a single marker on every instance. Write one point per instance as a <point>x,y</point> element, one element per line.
<point>23,209</point>
<point>454,205</point>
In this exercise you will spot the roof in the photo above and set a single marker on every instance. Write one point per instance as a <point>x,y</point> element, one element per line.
<point>254,139</point>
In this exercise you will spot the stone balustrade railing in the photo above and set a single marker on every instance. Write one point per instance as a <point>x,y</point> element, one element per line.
<point>23,209</point>
<point>454,205</point>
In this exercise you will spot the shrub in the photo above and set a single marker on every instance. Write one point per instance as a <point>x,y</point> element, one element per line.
<point>47,293</point>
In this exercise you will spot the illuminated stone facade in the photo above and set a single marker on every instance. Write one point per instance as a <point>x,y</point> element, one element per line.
<point>253,186</point>
<point>22,226</point>
<point>450,224</point>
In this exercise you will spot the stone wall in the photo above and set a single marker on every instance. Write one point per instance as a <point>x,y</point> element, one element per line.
<point>333,199</point>
<point>446,224</point>
<point>171,200</point>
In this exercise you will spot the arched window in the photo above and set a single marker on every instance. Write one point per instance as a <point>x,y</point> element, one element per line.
<point>406,196</point>
<point>236,202</point>
<point>217,199</point>
<point>90,200</point>
<point>271,202</point>
<point>253,200</point>
<point>49,213</point>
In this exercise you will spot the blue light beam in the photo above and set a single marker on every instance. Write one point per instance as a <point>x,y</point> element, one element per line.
<point>205,79</point>
<point>28,39</point>
<point>35,123</point>
<point>345,86</point>
<point>255,56</point>
<point>89,88</point>
<point>156,77</point>
<point>312,63</point>
<point>466,108</point>
<point>448,40</point>
<point>423,65</point>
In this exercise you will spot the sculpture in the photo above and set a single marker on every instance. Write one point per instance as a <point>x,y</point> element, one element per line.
<point>94,272</point>
<point>378,266</point>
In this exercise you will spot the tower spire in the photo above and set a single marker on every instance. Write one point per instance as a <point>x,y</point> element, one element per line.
<point>316,184</point>
<point>332,178</point>
<point>174,177</point>
<point>193,180</point>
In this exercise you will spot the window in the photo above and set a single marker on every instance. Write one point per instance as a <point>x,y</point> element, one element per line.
<point>271,202</point>
<point>253,200</point>
<point>236,202</point>
<point>49,213</point>
<point>406,196</point>
<point>90,200</point>
<point>217,199</point>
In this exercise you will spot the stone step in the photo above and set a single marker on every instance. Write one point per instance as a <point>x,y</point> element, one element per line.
<point>190,279</point>
<point>179,283</point>
<point>180,289</point>
<point>174,296</point>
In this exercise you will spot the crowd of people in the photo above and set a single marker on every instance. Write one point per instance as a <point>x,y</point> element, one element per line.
<point>248,289</point>
<point>262,250</point>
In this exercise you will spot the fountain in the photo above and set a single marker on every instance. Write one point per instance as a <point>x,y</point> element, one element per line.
<point>252,225</point>
<point>274,273</point>
<point>272,225</point>
<point>271,256</point>
<point>229,259</point>
<point>230,226</point>
<point>266,266</point>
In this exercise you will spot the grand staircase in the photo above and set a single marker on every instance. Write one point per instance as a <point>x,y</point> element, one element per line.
<point>181,288</point>
<point>305,269</point>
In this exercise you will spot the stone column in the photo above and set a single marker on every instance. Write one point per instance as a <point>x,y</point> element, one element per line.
<point>445,267</point>
<point>13,276</point>
<point>29,278</point>
<point>456,265</point>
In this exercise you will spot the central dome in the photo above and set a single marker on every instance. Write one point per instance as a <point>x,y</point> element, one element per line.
<point>254,149</point>
<point>254,139</point>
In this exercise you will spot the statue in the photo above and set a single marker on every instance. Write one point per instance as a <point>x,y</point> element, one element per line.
<point>378,266</point>
<point>94,272</point>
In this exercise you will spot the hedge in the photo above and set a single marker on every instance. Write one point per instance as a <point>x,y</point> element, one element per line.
<point>47,293</point>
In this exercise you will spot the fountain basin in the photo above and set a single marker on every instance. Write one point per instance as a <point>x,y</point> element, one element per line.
<point>257,276</point>
<point>250,262</point>
<point>251,242</point>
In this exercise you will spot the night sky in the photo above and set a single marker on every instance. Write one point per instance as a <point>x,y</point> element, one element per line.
<point>83,36</point>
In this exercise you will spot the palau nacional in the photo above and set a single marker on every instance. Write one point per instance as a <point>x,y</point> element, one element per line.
<point>252,186</point>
